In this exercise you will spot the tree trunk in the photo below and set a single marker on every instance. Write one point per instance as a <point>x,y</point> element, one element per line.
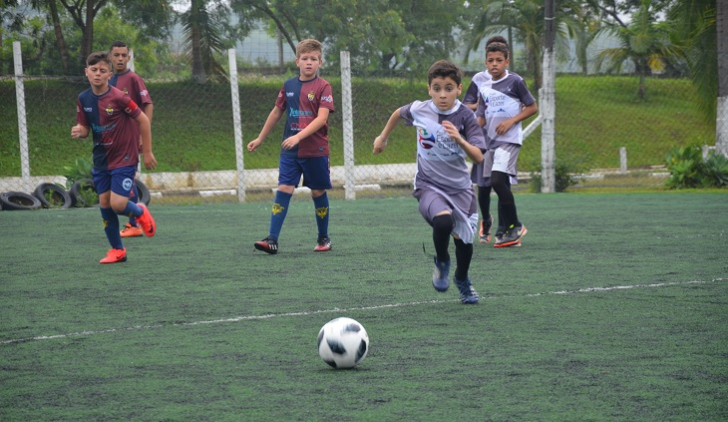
<point>60,41</point>
<point>198,67</point>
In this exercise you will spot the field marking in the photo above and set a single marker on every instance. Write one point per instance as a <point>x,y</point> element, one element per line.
<point>359,308</point>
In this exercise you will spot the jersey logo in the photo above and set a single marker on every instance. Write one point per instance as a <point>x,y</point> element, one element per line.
<point>109,110</point>
<point>311,96</point>
<point>425,138</point>
<point>126,92</point>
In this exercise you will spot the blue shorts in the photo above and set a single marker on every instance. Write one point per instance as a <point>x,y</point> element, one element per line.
<point>120,181</point>
<point>315,170</point>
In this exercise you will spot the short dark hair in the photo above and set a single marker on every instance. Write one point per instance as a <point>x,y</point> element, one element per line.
<point>496,38</point>
<point>497,47</point>
<point>118,43</point>
<point>444,69</point>
<point>97,57</point>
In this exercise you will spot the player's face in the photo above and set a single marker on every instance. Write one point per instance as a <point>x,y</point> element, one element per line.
<point>120,58</point>
<point>444,92</point>
<point>308,63</point>
<point>98,74</point>
<point>496,63</point>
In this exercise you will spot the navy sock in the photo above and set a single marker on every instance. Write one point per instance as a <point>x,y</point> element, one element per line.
<point>442,226</point>
<point>132,210</point>
<point>321,203</point>
<point>111,227</point>
<point>463,256</point>
<point>134,199</point>
<point>278,213</point>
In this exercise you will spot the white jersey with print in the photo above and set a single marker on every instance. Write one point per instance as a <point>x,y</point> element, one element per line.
<point>440,160</point>
<point>499,101</point>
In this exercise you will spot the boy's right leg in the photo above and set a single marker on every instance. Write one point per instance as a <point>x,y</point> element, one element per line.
<point>132,228</point>
<point>487,222</point>
<point>463,256</point>
<point>277,217</point>
<point>442,226</point>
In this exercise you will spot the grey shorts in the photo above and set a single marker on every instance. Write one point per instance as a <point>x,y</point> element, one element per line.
<point>503,158</point>
<point>433,203</point>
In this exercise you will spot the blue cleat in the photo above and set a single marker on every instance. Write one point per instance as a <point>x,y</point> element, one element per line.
<point>468,295</point>
<point>440,277</point>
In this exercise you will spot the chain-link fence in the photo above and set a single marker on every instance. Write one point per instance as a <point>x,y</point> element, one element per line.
<point>610,131</point>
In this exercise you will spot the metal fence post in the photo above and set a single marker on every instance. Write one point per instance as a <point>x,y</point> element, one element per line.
<point>623,160</point>
<point>237,127</point>
<point>548,102</point>
<point>22,123</point>
<point>349,184</point>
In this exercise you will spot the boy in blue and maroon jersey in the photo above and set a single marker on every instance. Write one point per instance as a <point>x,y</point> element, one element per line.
<point>306,101</point>
<point>132,85</point>
<point>115,122</point>
<point>447,134</point>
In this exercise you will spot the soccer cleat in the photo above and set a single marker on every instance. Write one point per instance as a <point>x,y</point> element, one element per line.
<point>267,245</point>
<point>113,256</point>
<point>323,244</point>
<point>468,295</point>
<point>131,231</point>
<point>441,275</point>
<point>147,221</point>
<point>485,230</point>
<point>511,237</point>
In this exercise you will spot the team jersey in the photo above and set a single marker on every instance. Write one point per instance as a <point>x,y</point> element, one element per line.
<point>471,95</point>
<point>110,117</point>
<point>301,100</point>
<point>499,101</point>
<point>440,160</point>
<point>132,85</point>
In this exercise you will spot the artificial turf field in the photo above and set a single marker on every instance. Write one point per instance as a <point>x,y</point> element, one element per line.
<point>615,308</point>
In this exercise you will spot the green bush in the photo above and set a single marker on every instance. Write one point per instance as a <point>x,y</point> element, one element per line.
<point>564,173</point>
<point>80,169</point>
<point>688,169</point>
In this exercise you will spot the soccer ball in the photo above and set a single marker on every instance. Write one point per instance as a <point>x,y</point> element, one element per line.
<point>343,343</point>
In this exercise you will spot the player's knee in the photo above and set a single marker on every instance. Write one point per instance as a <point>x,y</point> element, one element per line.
<point>443,223</point>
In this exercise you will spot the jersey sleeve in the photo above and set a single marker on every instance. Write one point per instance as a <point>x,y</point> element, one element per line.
<point>471,95</point>
<point>405,112</point>
<point>524,95</point>
<point>473,133</point>
<point>326,98</point>
<point>281,102</point>
<point>80,115</point>
<point>131,108</point>
<point>480,111</point>
<point>143,92</point>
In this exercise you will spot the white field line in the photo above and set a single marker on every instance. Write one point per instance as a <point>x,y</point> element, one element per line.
<point>361,308</point>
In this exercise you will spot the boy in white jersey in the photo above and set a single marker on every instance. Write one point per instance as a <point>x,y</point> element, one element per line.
<point>447,133</point>
<point>503,104</point>
<point>476,174</point>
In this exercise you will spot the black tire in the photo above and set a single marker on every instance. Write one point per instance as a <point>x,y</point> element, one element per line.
<point>143,191</point>
<point>59,197</point>
<point>79,186</point>
<point>19,201</point>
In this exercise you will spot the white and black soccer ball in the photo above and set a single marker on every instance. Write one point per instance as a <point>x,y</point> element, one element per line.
<point>343,343</point>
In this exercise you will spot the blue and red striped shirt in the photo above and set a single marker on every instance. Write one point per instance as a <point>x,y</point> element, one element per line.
<point>110,117</point>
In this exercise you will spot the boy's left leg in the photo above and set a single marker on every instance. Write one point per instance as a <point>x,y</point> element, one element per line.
<point>321,203</point>
<point>317,177</point>
<point>463,256</point>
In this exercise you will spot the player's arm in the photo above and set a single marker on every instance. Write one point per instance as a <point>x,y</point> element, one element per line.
<point>315,125</point>
<point>148,109</point>
<point>381,141</point>
<point>475,154</point>
<point>525,113</point>
<point>79,131</point>
<point>145,128</point>
<point>273,117</point>
<point>471,96</point>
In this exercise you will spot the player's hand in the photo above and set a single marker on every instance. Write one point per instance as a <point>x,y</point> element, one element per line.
<point>78,131</point>
<point>503,127</point>
<point>291,142</point>
<point>254,144</point>
<point>150,163</point>
<point>452,132</point>
<point>380,143</point>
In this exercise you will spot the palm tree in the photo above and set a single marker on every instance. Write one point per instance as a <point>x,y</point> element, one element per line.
<point>644,40</point>
<point>202,29</point>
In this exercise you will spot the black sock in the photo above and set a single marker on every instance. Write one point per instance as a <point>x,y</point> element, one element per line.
<point>442,226</point>
<point>484,201</point>
<point>463,255</point>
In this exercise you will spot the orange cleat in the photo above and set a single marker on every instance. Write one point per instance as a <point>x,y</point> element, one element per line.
<point>147,221</point>
<point>131,231</point>
<point>113,256</point>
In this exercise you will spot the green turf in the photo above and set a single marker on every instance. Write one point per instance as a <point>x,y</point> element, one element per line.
<point>199,326</point>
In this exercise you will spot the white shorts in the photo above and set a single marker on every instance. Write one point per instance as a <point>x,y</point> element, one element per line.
<point>503,158</point>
